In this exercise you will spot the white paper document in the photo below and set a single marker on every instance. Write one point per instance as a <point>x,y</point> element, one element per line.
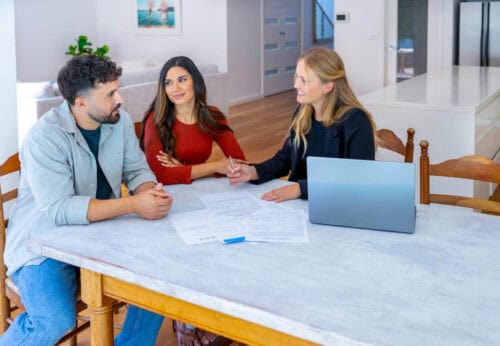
<point>239,215</point>
<point>203,226</point>
<point>278,225</point>
<point>234,204</point>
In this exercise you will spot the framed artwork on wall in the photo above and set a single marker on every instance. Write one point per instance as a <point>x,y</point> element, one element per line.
<point>157,17</point>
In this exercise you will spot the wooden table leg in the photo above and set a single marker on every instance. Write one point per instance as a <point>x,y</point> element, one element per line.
<point>100,308</point>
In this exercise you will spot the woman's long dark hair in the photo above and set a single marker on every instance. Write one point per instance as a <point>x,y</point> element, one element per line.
<point>163,109</point>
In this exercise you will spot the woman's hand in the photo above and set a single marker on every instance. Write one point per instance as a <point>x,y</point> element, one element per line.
<point>167,160</point>
<point>283,193</point>
<point>241,173</point>
<point>222,165</point>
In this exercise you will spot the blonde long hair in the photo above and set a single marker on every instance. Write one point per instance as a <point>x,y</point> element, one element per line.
<point>328,66</point>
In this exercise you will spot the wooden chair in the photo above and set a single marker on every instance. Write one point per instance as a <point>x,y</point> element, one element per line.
<point>468,167</point>
<point>387,139</point>
<point>138,131</point>
<point>138,128</point>
<point>10,300</point>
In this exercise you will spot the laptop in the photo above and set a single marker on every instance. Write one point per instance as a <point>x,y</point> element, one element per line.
<point>362,193</point>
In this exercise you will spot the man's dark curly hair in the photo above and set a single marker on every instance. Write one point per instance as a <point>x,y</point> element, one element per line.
<point>82,73</point>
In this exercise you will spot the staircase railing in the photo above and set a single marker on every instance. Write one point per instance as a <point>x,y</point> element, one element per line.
<point>322,24</point>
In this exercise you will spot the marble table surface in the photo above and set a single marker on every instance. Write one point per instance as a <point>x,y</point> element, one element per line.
<point>439,286</point>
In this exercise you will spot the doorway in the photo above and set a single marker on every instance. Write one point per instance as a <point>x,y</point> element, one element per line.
<point>412,38</point>
<point>407,37</point>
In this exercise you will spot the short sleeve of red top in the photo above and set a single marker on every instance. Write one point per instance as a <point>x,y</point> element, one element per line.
<point>192,147</point>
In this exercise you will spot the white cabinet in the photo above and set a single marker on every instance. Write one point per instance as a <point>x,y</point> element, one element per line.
<point>457,110</point>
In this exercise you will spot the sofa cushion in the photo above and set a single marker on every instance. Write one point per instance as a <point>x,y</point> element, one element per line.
<point>135,64</point>
<point>208,69</point>
<point>36,90</point>
<point>140,75</point>
<point>143,71</point>
<point>55,87</point>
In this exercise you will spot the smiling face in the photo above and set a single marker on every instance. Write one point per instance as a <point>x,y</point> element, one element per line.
<point>179,86</point>
<point>310,88</point>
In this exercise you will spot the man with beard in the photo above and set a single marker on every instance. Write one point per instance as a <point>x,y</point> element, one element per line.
<point>73,161</point>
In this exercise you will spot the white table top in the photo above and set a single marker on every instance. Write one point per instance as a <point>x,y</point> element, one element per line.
<point>439,286</point>
<point>456,88</point>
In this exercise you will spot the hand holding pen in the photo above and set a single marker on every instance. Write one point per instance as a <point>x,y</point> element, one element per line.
<point>238,171</point>
<point>231,162</point>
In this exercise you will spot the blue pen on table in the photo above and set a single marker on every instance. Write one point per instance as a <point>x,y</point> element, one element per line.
<point>233,240</point>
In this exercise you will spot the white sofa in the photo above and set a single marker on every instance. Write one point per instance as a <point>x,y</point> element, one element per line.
<point>138,88</point>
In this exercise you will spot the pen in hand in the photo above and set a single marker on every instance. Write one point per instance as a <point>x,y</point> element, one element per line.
<point>231,162</point>
<point>233,174</point>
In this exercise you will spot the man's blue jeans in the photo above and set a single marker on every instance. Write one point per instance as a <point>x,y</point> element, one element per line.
<point>48,292</point>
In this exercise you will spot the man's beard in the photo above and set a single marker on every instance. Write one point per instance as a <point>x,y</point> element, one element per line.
<point>109,118</point>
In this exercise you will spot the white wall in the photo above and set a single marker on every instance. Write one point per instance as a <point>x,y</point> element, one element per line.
<point>203,37</point>
<point>391,40</point>
<point>44,29</point>
<point>8,116</point>
<point>361,43</point>
<point>244,23</point>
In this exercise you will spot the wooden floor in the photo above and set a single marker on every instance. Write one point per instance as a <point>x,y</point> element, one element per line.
<point>260,127</point>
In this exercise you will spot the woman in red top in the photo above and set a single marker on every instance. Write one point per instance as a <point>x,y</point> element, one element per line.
<point>178,132</point>
<point>179,127</point>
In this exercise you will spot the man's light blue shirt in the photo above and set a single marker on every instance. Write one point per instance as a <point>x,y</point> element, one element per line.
<point>58,177</point>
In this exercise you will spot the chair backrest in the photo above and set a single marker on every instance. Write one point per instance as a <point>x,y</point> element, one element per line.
<point>138,129</point>
<point>11,165</point>
<point>472,167</point>
<point>387,139</point>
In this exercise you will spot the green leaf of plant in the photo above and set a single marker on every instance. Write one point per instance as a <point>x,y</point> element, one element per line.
<point>84,47</point>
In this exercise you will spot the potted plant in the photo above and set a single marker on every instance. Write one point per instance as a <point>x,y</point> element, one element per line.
<point>84,47</point>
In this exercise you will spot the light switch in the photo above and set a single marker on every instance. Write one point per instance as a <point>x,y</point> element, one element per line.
<point>341,17</point>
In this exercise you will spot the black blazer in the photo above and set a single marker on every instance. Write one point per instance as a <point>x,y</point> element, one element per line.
<point>351,137</point>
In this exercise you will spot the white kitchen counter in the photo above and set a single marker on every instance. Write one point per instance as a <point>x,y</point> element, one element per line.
<point>457,110</point>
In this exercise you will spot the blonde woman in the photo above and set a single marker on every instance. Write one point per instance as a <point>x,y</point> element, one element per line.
<point>329,122</point>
